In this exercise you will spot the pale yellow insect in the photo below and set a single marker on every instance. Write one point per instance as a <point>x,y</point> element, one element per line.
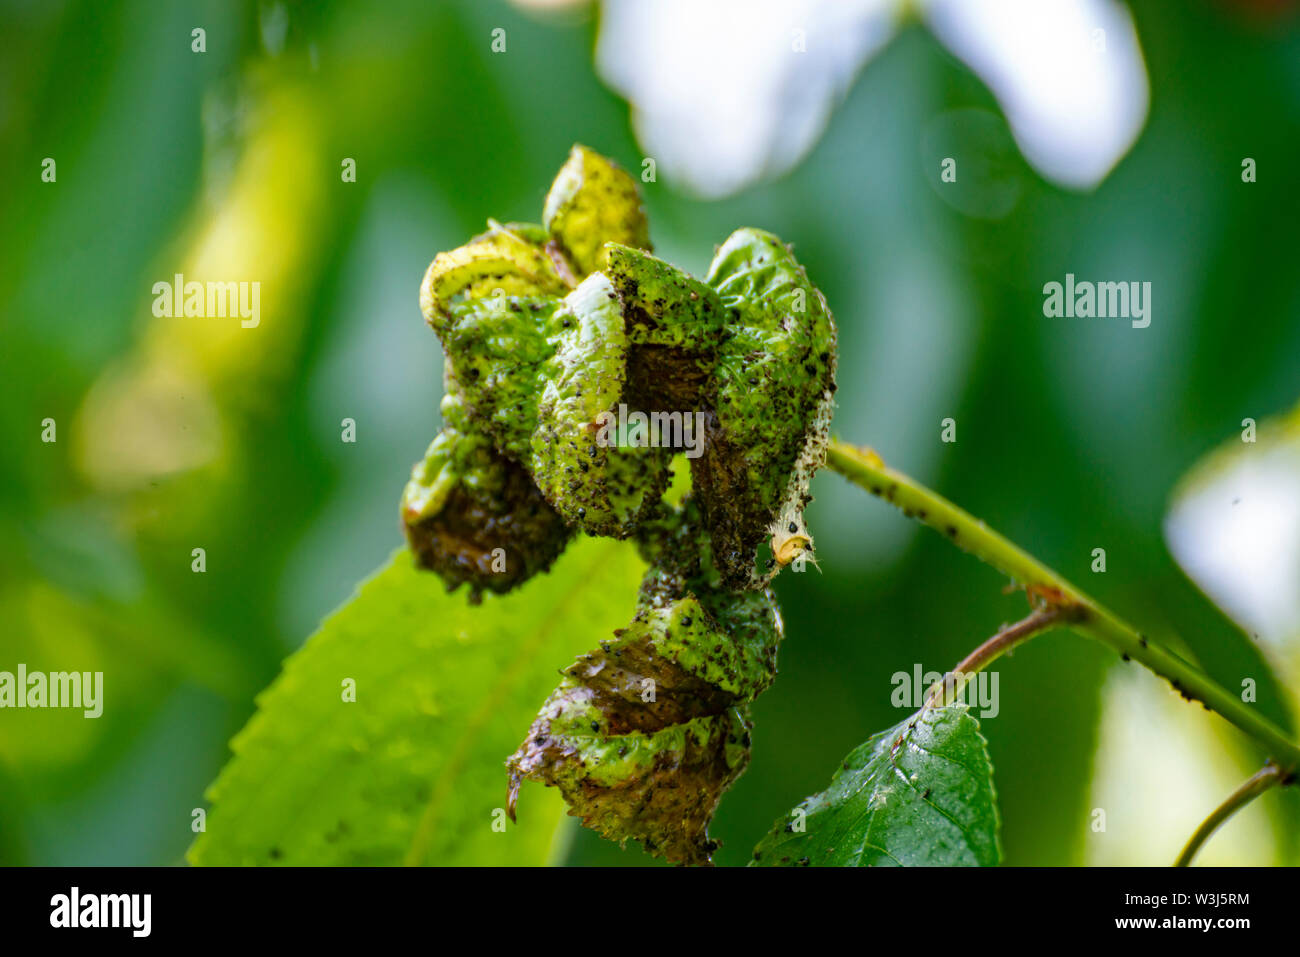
<point>790,540</point>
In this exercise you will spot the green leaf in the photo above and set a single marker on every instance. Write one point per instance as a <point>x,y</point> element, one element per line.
<point>413,771</point>
<point>919,794</point>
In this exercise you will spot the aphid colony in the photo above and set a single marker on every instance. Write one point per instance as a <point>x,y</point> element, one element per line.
<point>550,329</point>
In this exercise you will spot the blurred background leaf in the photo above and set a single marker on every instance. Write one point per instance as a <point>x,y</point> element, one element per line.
<point>411,769</point>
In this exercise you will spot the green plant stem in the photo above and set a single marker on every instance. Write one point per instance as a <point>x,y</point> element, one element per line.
<point>1267,776</point>
<point>865,468</point>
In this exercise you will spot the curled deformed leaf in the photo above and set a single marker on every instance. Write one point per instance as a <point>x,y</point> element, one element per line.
<point>645,734</point>
<point>919,794</point>
<point>552,331</point>
<point>674,326</point>
<point>772,402</point>
<point>577,366</point>
<point>658,787</point>
<point>474,516</point>
<point>601,487</point>
<point>593,202</point>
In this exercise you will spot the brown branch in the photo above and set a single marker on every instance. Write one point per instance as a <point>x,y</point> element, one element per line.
<point>1044,618</point>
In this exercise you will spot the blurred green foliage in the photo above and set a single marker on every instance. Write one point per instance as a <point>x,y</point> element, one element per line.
<point>1070,435</point>
<point>396,775</point>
